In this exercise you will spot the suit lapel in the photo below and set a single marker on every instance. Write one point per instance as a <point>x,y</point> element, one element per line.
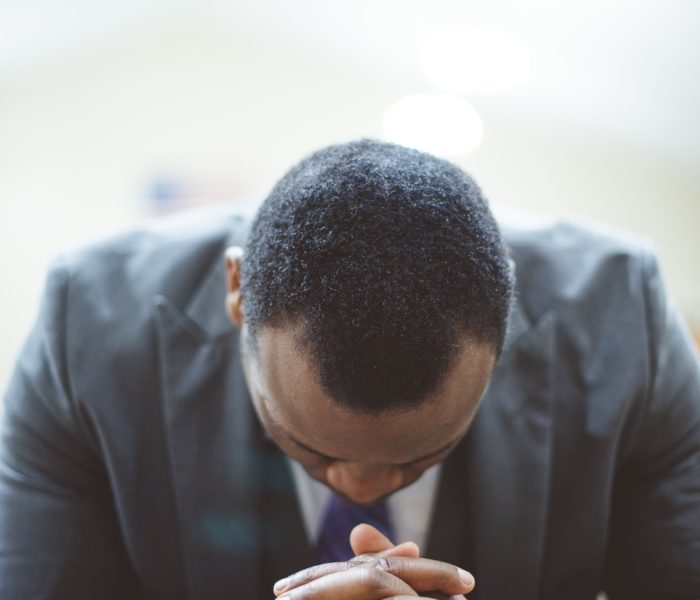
<point>492,504</point>
<point>240,525</point>
<point>286,548</point>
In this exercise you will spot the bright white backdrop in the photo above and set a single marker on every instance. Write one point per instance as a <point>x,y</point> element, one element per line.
<point>103,103</point>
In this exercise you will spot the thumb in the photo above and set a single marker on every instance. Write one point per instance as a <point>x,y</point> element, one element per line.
<point>365,539</point>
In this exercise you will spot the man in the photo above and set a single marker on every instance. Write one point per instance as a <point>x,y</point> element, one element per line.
<point>372,365</point>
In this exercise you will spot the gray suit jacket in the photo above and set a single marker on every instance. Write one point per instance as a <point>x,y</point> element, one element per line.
<point>132,465</point>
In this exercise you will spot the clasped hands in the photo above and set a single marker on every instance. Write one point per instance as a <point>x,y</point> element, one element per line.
<point>379,571</point>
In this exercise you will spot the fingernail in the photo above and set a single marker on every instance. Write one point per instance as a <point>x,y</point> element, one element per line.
<point>467,578</point>
<point>280,585</point>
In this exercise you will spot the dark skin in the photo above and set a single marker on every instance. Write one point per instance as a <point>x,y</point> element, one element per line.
<point>362,458</point>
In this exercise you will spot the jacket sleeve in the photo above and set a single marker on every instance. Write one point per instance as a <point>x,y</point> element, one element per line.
<point>654,549</point>
<point>59,536</point>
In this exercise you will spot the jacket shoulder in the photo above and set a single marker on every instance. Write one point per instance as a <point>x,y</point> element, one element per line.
<point>101,299</point>
<point>569,264</point>
<point>165,256</point>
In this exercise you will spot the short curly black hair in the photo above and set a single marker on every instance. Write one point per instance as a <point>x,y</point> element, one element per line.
<point>389,257</point>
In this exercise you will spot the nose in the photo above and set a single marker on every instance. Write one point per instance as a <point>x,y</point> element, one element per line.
<point>363,483</point>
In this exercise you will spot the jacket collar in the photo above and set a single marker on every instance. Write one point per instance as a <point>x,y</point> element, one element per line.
<point>240,524</point>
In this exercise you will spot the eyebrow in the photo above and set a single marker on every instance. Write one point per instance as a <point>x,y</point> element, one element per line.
<point>410,462</point>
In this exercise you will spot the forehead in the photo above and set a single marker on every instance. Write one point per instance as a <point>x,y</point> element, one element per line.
<point>285,383</point>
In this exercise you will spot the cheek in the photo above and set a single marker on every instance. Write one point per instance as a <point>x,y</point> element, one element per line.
<point>314,466</point>
<point>310,463</point>
<point>410,474</point>
<point>317,471</point>
<point>413,473</point>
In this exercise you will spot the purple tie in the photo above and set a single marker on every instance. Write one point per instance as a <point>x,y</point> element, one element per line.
<point>340,518</point>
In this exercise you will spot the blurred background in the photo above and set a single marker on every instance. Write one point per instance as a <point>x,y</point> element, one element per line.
<point>112,113</point>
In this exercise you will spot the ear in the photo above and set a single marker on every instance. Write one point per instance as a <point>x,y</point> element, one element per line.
<point>234,298</point>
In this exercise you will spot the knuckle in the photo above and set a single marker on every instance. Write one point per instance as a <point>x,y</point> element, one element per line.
<point>310,573</point>
<point>313,572</point>
<point>395,566</point>
<point>302,576</point>
<point>307,592</point>
<point>374,580</point>
<point>297,578</point>
<point>363,559</point>
<point>383,564</point>
<point>445,577</point>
